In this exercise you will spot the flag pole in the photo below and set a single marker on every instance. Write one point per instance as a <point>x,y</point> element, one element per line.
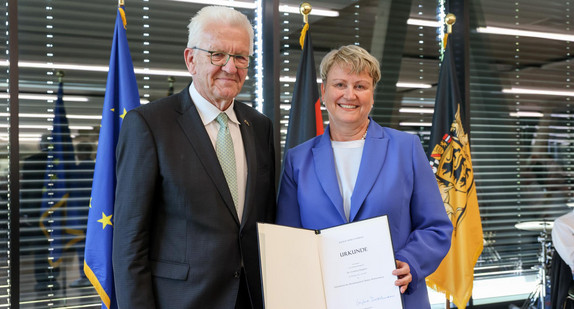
<point>171,81</point>
<point>305,8</point>
<point>60,75</point>
<point>120,3</point>
<point>449,20</point>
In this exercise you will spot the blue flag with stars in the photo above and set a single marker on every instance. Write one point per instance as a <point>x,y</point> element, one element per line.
<point>57,184</point>
<point>121,96</point>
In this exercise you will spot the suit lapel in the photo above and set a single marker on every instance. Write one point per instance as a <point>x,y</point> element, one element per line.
<point>191,124</point>
<point>325,171</point>
<point>250,155</point>
<point>372,161</point>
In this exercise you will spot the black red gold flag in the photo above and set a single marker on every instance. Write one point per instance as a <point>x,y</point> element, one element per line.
<point>305,118</point>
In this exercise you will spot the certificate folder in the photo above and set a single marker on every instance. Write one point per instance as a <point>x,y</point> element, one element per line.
<point>344,267</point>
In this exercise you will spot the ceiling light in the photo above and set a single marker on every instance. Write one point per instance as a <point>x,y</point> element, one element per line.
<point>46,97</point>
<point>415,124</point>
<point>292,79</point>
<point>236,4</point>
<point>500,31</point>
<point>413,85</point>
<point>539,91</point>
<point>283,8</point>
<point>412,110</point>
<point>527,114</point>
<point>47,127</point>
<point>5,138</point>
<point>568,116</point>
<point>93,68</point>
<point>46,116</point>
<point>532,34</point>
<point>423,22</point>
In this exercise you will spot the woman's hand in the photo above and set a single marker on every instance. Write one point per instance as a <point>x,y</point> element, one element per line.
<point>403,273</point>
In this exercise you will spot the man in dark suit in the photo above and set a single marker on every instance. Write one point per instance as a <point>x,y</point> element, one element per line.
<point>185,221</point>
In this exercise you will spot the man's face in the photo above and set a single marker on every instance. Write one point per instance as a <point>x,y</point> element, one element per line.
<point>218,84</point>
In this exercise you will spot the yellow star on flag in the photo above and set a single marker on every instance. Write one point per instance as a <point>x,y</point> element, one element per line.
<point>124,114</point>
<point>105,220</point>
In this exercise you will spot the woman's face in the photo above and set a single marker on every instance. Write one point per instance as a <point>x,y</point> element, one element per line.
<point>347,96</point>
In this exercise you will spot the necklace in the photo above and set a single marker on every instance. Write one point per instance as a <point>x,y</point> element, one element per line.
<point>365,135</point>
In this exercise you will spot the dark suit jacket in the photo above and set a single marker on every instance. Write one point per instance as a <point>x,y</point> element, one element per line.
<point>177,240</point>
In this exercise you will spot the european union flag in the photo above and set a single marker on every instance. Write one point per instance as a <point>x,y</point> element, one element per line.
<point>56,191</point>
<point>121,96</point>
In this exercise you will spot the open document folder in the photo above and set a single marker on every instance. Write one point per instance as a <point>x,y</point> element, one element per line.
<point>348,266</point>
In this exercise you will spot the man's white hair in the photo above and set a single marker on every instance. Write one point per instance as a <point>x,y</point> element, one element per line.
<point>217,15</point>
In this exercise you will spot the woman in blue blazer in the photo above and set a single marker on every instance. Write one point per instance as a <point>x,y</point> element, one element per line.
<point>358,170</point>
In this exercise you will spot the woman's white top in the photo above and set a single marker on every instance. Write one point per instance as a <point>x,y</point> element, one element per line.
<point>563,238</point>
<point>347,161</point>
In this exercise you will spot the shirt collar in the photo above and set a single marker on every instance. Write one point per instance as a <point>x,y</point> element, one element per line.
<point>207,111</point>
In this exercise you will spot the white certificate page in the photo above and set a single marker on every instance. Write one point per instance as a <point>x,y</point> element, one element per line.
<point>357,261</point>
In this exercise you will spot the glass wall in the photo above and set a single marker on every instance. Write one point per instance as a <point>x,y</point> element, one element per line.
<point>519,95</point>
<point>521,127</point>
<point>4,205</point>
<point>70,42</point>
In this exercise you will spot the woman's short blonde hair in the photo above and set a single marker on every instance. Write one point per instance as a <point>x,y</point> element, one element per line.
<point>354,57</point>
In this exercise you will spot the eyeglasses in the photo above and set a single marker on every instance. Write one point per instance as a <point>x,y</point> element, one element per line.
<point>221,59</point>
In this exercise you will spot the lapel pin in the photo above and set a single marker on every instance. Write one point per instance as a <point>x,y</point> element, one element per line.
<point>247,122</point>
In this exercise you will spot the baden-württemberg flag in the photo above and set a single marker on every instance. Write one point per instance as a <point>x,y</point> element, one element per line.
<point>57,186</point>
<point>121,96</point>
<point>305,118</point>
<point>449,155</point>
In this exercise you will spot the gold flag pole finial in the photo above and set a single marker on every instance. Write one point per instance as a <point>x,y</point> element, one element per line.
<point>60,75</point>
<point>120,3</point>
<point>305,9</point>
<point>449,20</point>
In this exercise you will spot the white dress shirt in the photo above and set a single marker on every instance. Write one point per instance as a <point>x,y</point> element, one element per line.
<point>208,112</point>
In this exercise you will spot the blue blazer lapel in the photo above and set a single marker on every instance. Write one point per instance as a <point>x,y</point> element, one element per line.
<point>372,161</point>
<point>191,124</point>
<point>324,163</point>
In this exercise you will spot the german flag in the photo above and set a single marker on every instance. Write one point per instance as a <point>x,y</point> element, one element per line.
<point>305,118</point>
